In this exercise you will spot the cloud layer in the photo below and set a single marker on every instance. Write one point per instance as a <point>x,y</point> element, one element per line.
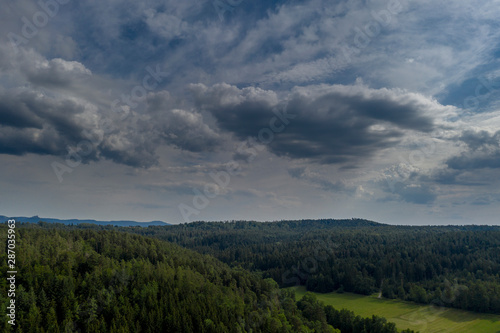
<point>388,106</point>
<point>332,124</point>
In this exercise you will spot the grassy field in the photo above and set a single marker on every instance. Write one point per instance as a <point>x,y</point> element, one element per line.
<point>410,315</point>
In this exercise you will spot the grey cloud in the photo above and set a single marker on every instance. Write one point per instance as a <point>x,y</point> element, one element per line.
<point>416,193</point>
<point>56,126</point>
<point>462,177</point>
<point>189,187</point>
<point>484,200</point>
<point>166,25</point>
<point>54,73</point>
<point>407,183</point>
<point>38,118</point>
<point>20,142</point>
<point>243,156</point>
<point>334,124</point>
<point>28,66</point>
<point>135,139</point>
<point>468,161</point>
<point>199,169</point>
<point>241,111</point>
<point>15,113</point>
<point>446,176</point>
<point>35,123</point>
<point>187,130</point>
<point>140,156</point>
<point>183,129</point>
<point>318,180</point>
<point>283,201</point>
<point>481,139</point>
<point>483,151</point>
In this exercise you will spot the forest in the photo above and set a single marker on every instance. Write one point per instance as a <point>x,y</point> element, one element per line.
<point>450,266</point>
<point>90,278</point>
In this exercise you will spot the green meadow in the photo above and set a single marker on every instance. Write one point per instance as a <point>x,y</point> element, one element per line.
<point>422,318</point>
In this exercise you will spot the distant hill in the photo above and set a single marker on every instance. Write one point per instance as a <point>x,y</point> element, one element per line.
<point>36,219</point>
<point>296,225</point>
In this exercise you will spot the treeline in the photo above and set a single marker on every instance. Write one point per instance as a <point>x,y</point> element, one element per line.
<point>343,319</point>
<point>445,265</point>
<point>96,279</point>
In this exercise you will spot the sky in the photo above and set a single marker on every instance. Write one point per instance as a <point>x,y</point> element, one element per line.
<point>181,111</point>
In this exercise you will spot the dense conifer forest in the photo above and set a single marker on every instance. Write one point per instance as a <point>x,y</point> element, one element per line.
<point>452,266</point>
<point>100,279</point>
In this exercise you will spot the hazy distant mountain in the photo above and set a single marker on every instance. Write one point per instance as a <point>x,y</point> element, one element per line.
<point>36,219</point>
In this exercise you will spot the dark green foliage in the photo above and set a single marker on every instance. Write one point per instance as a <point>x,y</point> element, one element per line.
<point>109,282</point>
<point>345,320</point>
<point>96,279</point>
<point>85,280</point>
<point>453,266</point>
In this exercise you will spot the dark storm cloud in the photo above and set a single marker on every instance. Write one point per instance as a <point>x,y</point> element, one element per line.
<point>16,114</point>
<point>137,154</point>
<point>481,139</point>
<point>241,111</point>
<point>20,142</point>
<point>483,151</point>
<point>474,160</point>
<point>54,107</point>
<point>34,123</point>
<point>331,124</point>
